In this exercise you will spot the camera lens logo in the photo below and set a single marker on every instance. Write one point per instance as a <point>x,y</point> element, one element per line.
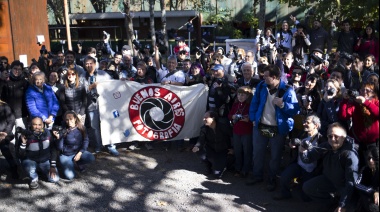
<point>156,113</point>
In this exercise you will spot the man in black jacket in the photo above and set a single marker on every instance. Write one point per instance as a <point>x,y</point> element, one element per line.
<point>340,169</point>
<point>38,153</point>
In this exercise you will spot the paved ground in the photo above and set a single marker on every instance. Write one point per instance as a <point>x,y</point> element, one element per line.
<point>143,180</point>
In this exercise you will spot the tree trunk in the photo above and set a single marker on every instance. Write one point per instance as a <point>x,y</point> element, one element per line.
<point>128,23</point>
<point>163,20</point>
<point>262,15</point>
<point>152,29</point>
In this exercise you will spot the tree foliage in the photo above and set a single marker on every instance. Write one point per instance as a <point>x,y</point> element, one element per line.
<point>356,10</point>
<point>56,7</point>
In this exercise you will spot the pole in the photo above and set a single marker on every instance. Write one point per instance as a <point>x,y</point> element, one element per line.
<point>67,23</point>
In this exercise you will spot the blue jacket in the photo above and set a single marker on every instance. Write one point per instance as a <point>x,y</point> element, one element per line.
<point>73,142</point>
<point>41,104</point>
<point>284,116</point>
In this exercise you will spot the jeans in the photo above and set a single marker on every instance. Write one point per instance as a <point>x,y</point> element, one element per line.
<point>292,171</point>
<point>93,121</point>
<point>260,144</point>
<point>243,152</point>
<point>31,167</point>
<point>67,163</point>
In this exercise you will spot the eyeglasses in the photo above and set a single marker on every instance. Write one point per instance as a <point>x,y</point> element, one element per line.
<point>366,90</point>
<point>70,74</point>
<point>331,136</point>
<point>3,62</point>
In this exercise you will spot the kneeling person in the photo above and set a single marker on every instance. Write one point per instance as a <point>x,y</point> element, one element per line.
<point>72,145</point>
<point>38,153</point>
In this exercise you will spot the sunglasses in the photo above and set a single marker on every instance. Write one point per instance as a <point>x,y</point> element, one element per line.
<point>3,62</point>
<point>70,74</point>
<point>296,73</point>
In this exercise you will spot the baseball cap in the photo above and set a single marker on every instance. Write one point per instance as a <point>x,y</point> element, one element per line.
<point>217,67</point>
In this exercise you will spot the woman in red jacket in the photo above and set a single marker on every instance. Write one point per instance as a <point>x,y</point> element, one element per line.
<point>368,43</point>
<point>242,131</point>
<point>364,111</point>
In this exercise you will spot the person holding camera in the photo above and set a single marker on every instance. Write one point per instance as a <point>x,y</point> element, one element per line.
<point>235,67</point>
<point>329,106</point>
<point>284,38</point>
<point>181,45</point>
<point>271,112</point>
<point>41,100</point>
<point>90,81</point>
<point>266,45</point>
<point>334,187</point>
<point>242,131</point>
<point>363,108</point>
<point>300,43</point>
<point>298,169</point>
<point>7,122</point>
<point>72,143</point>
<point>38,153</point>
<point>127,71</point>
<point>213,144</point>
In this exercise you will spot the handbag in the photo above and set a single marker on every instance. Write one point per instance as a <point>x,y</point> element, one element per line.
<point>267,130</point>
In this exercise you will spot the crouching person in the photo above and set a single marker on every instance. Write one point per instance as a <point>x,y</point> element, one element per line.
<point>37,153</point>
<point>298,169</point>
<point>72,145</point>
<point>340,169</point>
<point>214,142</point>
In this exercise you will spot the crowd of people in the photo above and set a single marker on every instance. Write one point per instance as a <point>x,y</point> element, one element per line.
<point>292,91</point>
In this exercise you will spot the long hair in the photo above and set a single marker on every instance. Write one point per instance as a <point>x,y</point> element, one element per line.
<point>76,83</point>
<point>78,123</point>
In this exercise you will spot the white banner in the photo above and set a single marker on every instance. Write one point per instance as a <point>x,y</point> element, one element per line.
<point>130,111</point>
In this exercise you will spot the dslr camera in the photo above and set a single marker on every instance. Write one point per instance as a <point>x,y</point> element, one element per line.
<point>94,97</point>
<point>137,44</point>
<point>303,143</point>
<point>317,60</point>
<point>237,118</point>
<point>23,131</point>
<point>352,93</point>
<point>346,56</point>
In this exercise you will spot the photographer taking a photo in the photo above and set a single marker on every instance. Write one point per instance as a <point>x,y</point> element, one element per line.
<point>363,109</point>
<point>37,153</point>
<point>329,106</point>
<point>298,169</point>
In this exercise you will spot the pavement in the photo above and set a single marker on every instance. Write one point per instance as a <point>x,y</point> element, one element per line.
<point>143,180</point>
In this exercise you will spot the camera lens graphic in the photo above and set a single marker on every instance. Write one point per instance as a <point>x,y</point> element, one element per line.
<point>157,114</point>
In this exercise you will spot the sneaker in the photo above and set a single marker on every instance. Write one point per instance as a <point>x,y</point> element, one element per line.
<point>148,146</point>
<point>113,151</point>
<point>133,147</point>
<point>254,181</point>
<point>33,185</point>
<point>271,186</point>
<point>219,175</point>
